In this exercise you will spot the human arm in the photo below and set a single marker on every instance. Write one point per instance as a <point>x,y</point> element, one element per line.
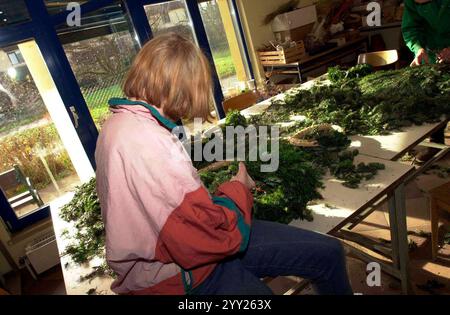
<point>205,229</point>
<point>413,33</point>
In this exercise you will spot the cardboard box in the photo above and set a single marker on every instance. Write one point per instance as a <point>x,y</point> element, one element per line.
<point>294,19</point>
<point>296,34</point>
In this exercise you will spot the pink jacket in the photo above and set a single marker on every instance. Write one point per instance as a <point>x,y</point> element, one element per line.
<point>161,223</point>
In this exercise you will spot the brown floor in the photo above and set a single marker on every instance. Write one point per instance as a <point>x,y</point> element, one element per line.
<point>50,282</point>
<point>375,226</point>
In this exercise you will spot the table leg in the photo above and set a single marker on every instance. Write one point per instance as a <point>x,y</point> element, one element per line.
<point>393,230</point>
<point>300,74</point>
<point>402,234</point>
<point>434,228</point>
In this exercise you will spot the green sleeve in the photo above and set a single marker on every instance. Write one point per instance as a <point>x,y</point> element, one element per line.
<point>412,27</point>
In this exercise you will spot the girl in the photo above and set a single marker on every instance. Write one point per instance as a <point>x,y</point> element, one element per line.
<point>165,234</point>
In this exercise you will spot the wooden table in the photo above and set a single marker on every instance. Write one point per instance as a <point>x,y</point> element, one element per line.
<point>341,206</point>
<point>351,207</point>
<point>328,57</point>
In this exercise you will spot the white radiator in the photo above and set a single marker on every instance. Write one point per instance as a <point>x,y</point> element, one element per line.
<point>42,253</point>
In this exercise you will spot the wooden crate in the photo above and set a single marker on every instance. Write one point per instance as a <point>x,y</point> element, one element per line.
<point>285,56</point>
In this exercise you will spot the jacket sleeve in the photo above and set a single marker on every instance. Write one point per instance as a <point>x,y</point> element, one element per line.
<point>413,27</point>
<point>204,230</point>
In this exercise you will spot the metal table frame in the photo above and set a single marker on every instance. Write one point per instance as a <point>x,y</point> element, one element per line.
<point>397,252</point>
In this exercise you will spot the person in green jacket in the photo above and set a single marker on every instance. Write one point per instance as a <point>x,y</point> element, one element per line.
<point>426,30</point>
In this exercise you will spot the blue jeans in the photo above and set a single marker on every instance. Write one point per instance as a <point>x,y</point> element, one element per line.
<point>280,250</point>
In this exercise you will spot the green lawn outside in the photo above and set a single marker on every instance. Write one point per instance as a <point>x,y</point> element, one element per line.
<point>97,101</point>
<point>224,63</point>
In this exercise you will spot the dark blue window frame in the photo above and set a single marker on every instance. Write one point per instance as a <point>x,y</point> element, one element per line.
<point>42,28</point>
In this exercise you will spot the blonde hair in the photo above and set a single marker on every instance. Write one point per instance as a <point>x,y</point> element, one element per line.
<point>173,74</point>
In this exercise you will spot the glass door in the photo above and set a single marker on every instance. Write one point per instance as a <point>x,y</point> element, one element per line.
<point>170,16</point>
<point>41,155</point>
<point>100,52</point>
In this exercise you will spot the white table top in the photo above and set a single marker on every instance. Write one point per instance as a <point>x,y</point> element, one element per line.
<point>393,146</point>
<point>340,202</point>
<point>71,271</point>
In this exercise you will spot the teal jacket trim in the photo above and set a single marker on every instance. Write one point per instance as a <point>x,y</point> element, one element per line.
<point>243,227</point>
<point>188,284</point>
<point>126,102</point>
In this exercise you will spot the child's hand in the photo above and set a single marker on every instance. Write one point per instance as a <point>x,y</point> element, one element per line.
<point>243,177</point>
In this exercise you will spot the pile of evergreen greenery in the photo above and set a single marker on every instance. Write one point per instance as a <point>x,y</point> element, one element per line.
<point>371,104</point>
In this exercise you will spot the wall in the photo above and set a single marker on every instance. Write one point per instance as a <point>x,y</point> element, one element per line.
<point>252,14</point>
<point>4,265</point>
<point>15,244</point>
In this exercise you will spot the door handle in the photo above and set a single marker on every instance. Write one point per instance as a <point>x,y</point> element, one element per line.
<point>74,116</point>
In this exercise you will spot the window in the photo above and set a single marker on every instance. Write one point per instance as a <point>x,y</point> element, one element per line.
<point>170,16</point>
<point>15,58</point>
<point>178,16</point>
<point>40,152</point>
<point>100,53</point>
<point>225,45</point>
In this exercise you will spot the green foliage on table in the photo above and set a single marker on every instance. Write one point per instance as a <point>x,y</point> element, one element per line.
<point>85,213</point>
<point>235,118</point>
<point>343,168</point>
<point>377,103</point>
<point>337,74</point>
<point>280,196</point>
